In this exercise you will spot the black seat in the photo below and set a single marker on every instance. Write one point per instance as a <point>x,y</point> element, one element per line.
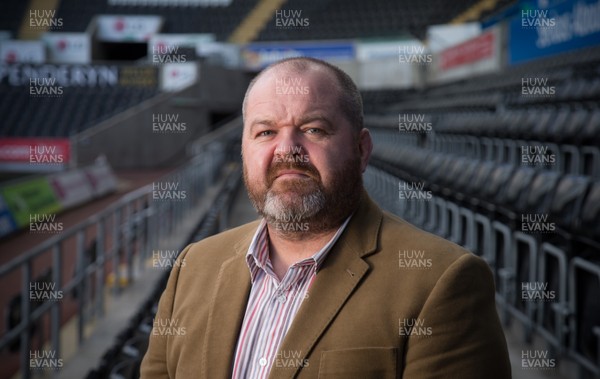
<point>568,200</point>
<point>540,192</point>
<point>590,214</point>
<point>496,182</point>
<point>590,133</point>
<point>508,201</point>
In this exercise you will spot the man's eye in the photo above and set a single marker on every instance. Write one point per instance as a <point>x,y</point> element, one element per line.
<point>265,133</point>
<point>314,131</point>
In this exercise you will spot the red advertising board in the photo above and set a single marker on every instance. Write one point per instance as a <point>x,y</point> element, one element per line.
<point>470,51</point>
<point>43,152</point>
<point>71,188</point>
<point>127,28</point>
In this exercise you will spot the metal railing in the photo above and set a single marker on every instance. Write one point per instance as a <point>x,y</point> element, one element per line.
<point>105,249</point>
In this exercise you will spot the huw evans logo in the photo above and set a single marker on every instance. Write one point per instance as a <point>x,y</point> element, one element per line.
<point>537,87</point>
<point>290,19</point>
<point>45,155</point>
<point>413,259</point>
<point>44,87</point>
<point>291,223</point>
<point>168,191</point>
<point>290,154</point>
<point>167,123</point>
<point>413,123</point>
<point>414,54</point>
<point>44,360</point>
<point>167,327</point>
<point>414,327</point>
<point>537,359</point>
<point>166,259</point>
<point>536,18</point>
<point>167,54</point>
<point>536,292</point>
<point>290,86</point>
<point>44,223</point>
<point>44,291</point>
<point>537,223</point>
<point>413,191</point>
<point>293,291</point>
<point>290,359</point>
<point>44,19</point>
<point>537,155</point>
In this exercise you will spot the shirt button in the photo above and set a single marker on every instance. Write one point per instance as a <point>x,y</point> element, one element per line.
<point>281,299</point>
<point>262,362</point>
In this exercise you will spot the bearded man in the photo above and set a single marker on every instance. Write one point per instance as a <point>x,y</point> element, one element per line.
<point>319,286</point>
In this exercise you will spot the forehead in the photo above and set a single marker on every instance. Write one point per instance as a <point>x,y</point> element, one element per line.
<point>287,86</point>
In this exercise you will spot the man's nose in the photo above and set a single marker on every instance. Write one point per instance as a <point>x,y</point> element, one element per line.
<point>289,144</point>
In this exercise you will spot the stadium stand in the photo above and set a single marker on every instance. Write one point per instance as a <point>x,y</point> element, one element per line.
<point>512,176</point>
<point>77,110</point>
<point>219,20</point>
<point>336,19</point>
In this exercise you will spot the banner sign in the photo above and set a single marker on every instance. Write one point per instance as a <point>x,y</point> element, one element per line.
<point>12,51</point>
<point>138,76</point>
<point>101,178</point>
<point>68,47</point>
<point>390,63</point>
<point>470,51</point>
<point>114,28</point>
<point>478,55</point>
<point>35,150</point>
<point>7,223</point>
<point>259,55</point>
<point>33,196</point>
<point>24,202</point>
<point>60,75</point>
<point>177,76</point>
<point>562,27</point>
<point>71,188</point>
<point>168,48</point>
<point>34,154</point>
<point>373,50</point>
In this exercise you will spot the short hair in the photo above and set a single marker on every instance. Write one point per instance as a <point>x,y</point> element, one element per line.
<point>349,96</point>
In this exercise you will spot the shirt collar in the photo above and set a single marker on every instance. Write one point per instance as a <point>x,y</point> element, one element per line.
<point>258,259</point>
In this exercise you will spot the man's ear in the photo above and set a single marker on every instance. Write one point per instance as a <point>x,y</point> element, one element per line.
<point>365,147</point>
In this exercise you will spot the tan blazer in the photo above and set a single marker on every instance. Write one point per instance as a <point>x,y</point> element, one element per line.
<point>355,321</point>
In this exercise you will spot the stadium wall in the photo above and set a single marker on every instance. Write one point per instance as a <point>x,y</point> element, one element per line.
<point>165,123</point>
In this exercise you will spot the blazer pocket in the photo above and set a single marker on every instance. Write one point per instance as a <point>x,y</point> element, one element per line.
<point>364,363</point>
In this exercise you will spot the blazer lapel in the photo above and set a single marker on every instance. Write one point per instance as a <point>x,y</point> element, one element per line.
<point>341,273</point>
<point>227,309</point>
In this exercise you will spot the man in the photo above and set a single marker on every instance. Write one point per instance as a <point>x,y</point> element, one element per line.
<point>326,285</point>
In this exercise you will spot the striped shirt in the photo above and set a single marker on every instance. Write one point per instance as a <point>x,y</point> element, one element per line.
<point>272,305</point>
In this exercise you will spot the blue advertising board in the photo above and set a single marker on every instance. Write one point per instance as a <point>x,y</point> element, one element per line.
<point>260,55</point>
<point>538,32</point>
<point>7,222</point>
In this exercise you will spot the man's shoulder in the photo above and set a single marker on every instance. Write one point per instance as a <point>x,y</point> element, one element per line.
<point>417,246</point>
<point>418,261</point>
<point>222,246</point>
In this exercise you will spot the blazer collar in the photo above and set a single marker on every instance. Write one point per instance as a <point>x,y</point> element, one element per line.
<point>227,309</point>
<point>339,275</point>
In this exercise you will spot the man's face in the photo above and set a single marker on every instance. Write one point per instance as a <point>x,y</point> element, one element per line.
<point>302,160</point>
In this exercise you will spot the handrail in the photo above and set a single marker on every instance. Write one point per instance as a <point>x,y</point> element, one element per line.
<point>131,224</point>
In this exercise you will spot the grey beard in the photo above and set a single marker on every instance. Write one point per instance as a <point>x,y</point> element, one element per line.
<point>276,211</point>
